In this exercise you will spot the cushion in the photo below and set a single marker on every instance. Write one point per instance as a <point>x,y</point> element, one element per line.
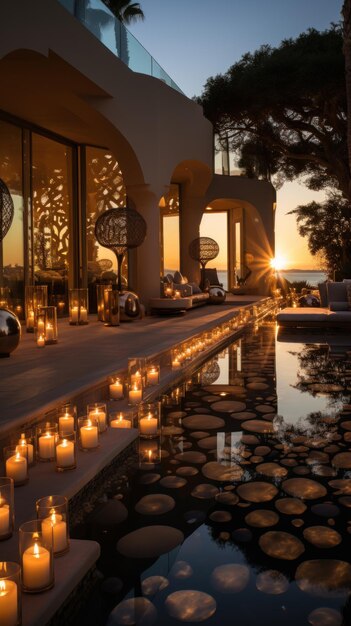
<point>168,279</point>
<point>195,287</point>
<point>323,294</point>
<point>185,290</point>
<point>336,292</point>
<point>339,306</point>
<point>178,278</point>
<point>347,281</point>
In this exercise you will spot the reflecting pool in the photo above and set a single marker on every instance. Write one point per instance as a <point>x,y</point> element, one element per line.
<point>246,518</point>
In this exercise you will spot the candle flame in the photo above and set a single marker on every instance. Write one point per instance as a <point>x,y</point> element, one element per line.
<point>149,452</point>
<point>149,417</point>
<point>53,518</point>
<point>135,387</point>
<point>89,423</point>
<point>47,434</point>
<point>65,443</point>
<point>18,455</point>
<point>2,585</point>
<point>36,550</point>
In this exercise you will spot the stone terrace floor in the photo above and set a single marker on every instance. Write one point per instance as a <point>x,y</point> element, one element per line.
<point>33,379</point>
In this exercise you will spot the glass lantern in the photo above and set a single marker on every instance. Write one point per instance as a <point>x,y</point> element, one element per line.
<point>176,359</point>
<point>97,411</point>
<point>46,435</point>
<point>168,290</point>
<point>121,419</point>
<point>78,307</point>
<point>7,513</point>
<point>28,439</point>
<point>53,513</point>
<point>88,434</point>
<point>4,297</point>
<point>66,418</point>
<point>116,388</point>
<point>152,375</point>
<point>10,594</point>
<point>36,553</point>
<point>149,420</point>
<point>100,298</point>
<point>65,449</point>
<point>16,464</point>
<point>137,371</point>
<point>135,393</point>
<point>47,324</point>
<point>111,306</point>
<point>149,452</point>
<point>36,297</point>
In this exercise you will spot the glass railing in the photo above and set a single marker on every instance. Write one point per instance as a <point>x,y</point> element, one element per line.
<point>226,162</point>
<point>97,18</point>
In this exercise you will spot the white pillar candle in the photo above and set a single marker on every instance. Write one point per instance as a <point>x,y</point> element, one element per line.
<point>176,364</point>
<point>47,446</point>
<point>74,314</point>
<point>4,518</point>
<point>36,567</point>
<point>49,332</point>
<point>153,376</point>
<point>89,436</point>
<point>30,448</point>
<point>55,527</point>
<point>30,319</point>
<point>83,314</point>
<point>120,422</point>
<point>135,378</point>
<point>41,341</point>
<point>99,416</point>
<point>8,603</point>
<point>16,468</point>
<point>148,425</point>
<point>41,327</point>
<point>116,390</point>
<point>135,395</point>
<point>65,454</point>
<point>66,424</point>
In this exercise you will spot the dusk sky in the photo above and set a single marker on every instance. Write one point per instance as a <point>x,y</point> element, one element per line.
<point>195,39</point>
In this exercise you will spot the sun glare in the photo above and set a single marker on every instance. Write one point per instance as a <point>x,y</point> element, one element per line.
<point>278,263</point>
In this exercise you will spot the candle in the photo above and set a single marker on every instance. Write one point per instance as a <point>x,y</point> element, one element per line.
<point>83,314</point>
<point>74,314</point>
<point>175,364</point>
<point>41,327</point>
<point>152,376</point>
<point>47,446</point>
<point>41,341</point>
<point>148,425</point>
<point>120,422</point>
<point>4,518</point>
<point>16,468</point>
<point>116,390</point>
<point>169,292</point>
<point>66,424</point>
<point>30,319</point>
<point>30,448</point>
<point>100,417</point>
<point>135,394</point>
<point>65,454</point>
<point>49,332</point>
<point>89,436</point>
<point>36,567</point>
<point>55,528</point>
<point>8,603</point>
<point>136,378</point>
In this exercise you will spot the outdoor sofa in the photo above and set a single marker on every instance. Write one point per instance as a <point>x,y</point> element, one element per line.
<point>334,312</point>
<point>188,297</point>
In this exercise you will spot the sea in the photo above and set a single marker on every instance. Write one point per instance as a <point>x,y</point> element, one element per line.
<point>313,277</point>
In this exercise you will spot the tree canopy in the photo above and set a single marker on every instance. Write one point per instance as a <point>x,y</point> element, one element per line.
<point>284,110</point>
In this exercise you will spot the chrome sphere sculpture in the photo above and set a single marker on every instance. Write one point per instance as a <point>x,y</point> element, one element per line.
<point>10,332</point>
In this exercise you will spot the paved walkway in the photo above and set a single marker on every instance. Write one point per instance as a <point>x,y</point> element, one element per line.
<point>33,379</point>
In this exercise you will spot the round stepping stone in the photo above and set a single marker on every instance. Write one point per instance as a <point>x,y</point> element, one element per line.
<point>149,479</point>
<point>304,488</point>
<point>257,386</point>
<point>173,482</point>
<point>171,431</point>
<point>135,611</point>
<point>202,409</point>
<point>205,422</point>
<point>256,491</point>
<point>343,484</point>
<point>249,440</point>
<point>210,443</point>
<point>176,414</point>
<point>265,408</point>
<point>272,582</point>
<point>189,605</point>
<point>210,398</point>
<point>227,498</point>
<point>149,542</point>
<point>199,434</point>
<point>243,415</point>
<point>281,545</point>
<point>302,470</point>
<point>191,456</point>
<point>258,426</point>
<point>325,616</point>
<point>155,504</point>
<point>228,406</point>
<point>345,501</point>
<point>262,450</point>
<point>242,535</point>
<point>220,517</point>
<point>262,518</point>
<point>112,512</point>
<point>326,509</point>
<point>342,460</point>
<point>272,470</point>
<point>290,506</point>
<point>187,471</point>
<point>324,578</point>
<point>182,570</point>
<point>222,473</point>
<point>225,389</point>
<point>322,536</point>
<point>204,491</point>
<point>153,584</point>
<point>230,578</point>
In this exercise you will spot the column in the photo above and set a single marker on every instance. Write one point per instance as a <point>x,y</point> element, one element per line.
<point>192,208</point>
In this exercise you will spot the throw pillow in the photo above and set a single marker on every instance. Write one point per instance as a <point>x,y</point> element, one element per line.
<point>178,278</point>
<point>339,306</point>
<point>195,287</point>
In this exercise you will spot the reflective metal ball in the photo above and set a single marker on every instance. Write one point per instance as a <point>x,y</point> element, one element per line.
<point>217,294</point>
<point>129,305</point>
<point>10,332</point>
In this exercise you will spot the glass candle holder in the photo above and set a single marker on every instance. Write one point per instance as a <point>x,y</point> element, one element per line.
<point>135,393</point>
<point>152,375</point>
<point>149,419</point>
<point>36,553</point>
<point>47,324</point>
<point>46,434</point>
<point>111,306</point>
<point>168,290</point>
<point>53,513</point>
<point>100,289</point>
<point>66,418</point>
<point>16,464</point>
<point>65,449</point>
<point>28,439</point>
<point>116,388</point>
<point>137,370</point>
<point>149,452</point>
<point>97,411</point>
<point>88,433</point>
<point>7,513</point>
<point>10,594</point>
<point>121,419</point>
<point>176,359</point>
<point>36,297</point>
<point>78,307</point>
<point>4,297</point>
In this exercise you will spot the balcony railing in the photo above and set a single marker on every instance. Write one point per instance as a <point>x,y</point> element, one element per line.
<point>99,20</point>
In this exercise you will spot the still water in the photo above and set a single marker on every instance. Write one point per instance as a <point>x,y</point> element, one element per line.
<point>246,519</point>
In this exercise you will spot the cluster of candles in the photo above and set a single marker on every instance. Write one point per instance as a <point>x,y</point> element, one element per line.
<point>139,377</point>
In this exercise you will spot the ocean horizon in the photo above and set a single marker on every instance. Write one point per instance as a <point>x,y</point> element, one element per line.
<point>312,277</point>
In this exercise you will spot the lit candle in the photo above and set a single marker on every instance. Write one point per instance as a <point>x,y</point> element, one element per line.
<point>30,319</point>
<point>83,314</point>
<point>49,332</point>
<point>89,436</point>
<point>8,603</point>
<point>65,454</point>
<point>47,446</point>
<point>4,518</point>
<point>41,341</point>
<point>177,294</point>
<point>116,390</point>
<point>176,364</point>
<point>168,292</point>
<point>136,378</point>
<point>41,327</point>
<point>66,424</point>
<point>100,416</point>
<point>120,422</point>
<point>148,425</point>
<point>55,527</point>
<point>16,468</point>
<point>153,376</point>
<point>30,448</point>
<point>135,394</point>
<point>36,567</point>
<point>74,315</point>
